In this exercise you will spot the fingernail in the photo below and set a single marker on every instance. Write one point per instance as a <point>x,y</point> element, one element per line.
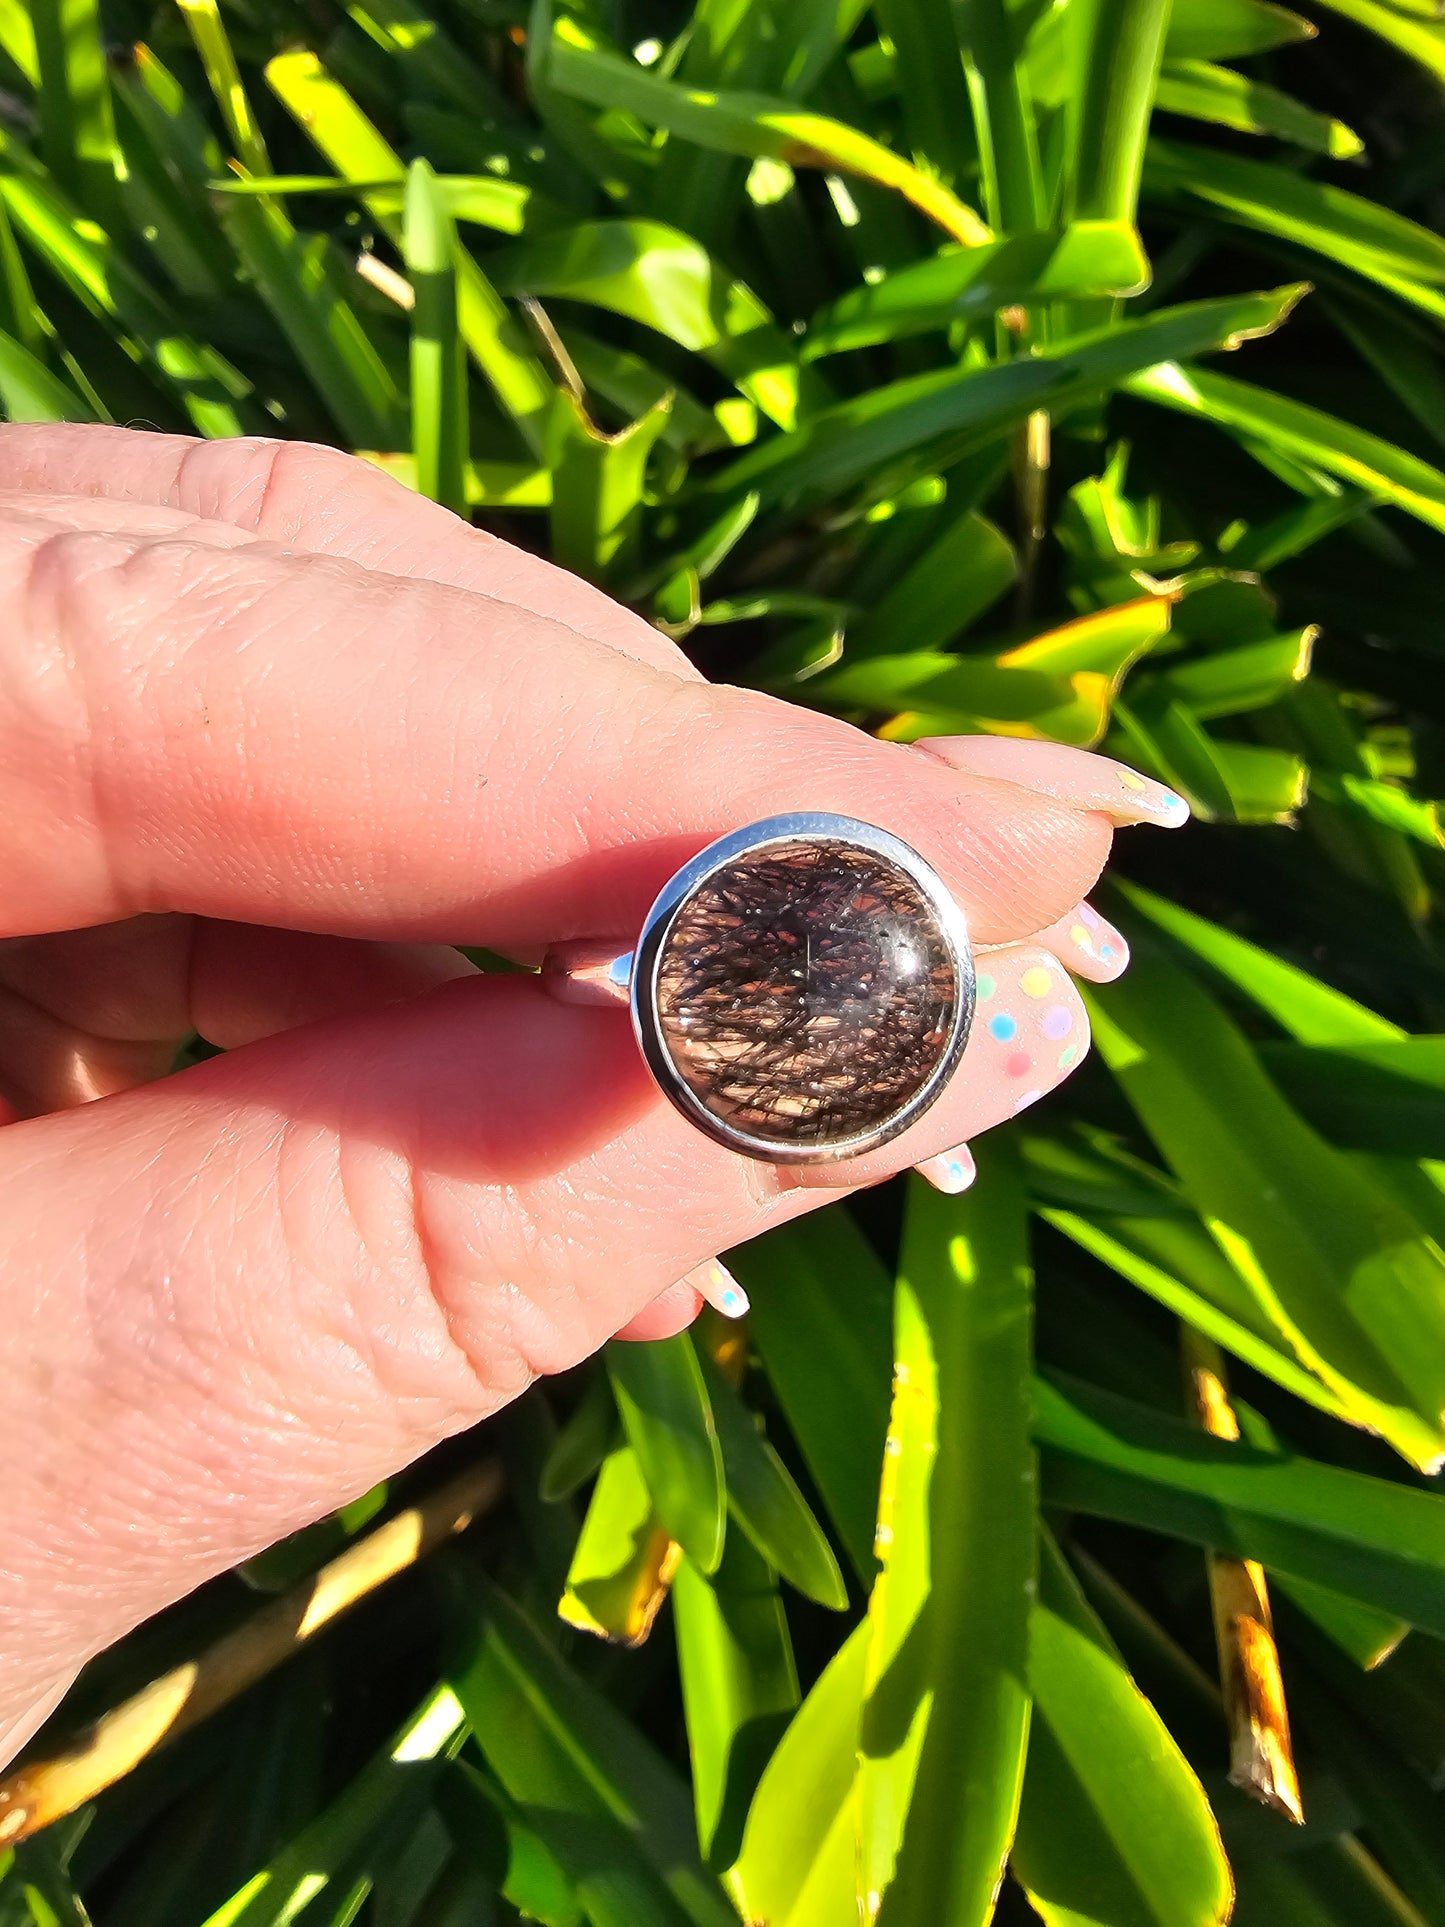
<point>1099,950</point>
<point>950,1172</point>
<point>716,1284</point>
<point>1077,777</point>
<point>1029,1031</point>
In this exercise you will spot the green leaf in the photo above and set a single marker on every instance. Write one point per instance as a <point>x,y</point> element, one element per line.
<point>1385,1097</point>
<point>77,132</point>
<point>1231,29</point>
<point>750,124</point>
<point>337,126</point>
<point>1116,47</point>
<point>438,355</point>
<point>599,484</point>
<point>30,393</point>
<point>1304,433</point>
<point>1348,1277</point>
<point>1346,228</point>
<point>1085,258</point>
<point>361,1828</point>
<point>767,1504</point>
<point>799,1853</point>
<point>1423,41</point>
<point>87,261</point>
<point>668,1419</point>
<point>739,1687</point>
<point>1202,91</point>
<point>653,274</point>
<point>621,1567</point>
<point>1235,680</point>
<point>582,1442</point>
<point>607,1807</point>
<point>945,1719</point>
<point>1368,1538</point>
<point>820,1321</point>
<point>1309,1010</point>
<point>1113,1825</point>
<point>950,412</point>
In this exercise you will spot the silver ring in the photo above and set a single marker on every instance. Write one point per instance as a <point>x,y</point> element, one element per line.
<point>802,990</point>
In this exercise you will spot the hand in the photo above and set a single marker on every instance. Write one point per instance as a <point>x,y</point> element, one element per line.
<point>274,735</point>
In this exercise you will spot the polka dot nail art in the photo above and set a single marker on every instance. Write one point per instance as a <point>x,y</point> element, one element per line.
<point>1088,945</point>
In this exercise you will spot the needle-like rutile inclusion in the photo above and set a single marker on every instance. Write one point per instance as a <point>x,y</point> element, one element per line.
<point>806,993</point>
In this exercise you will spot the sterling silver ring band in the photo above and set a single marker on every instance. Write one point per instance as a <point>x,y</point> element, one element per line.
<point>801,990</point>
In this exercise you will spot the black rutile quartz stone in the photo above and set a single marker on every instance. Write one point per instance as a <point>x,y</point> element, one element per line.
<point>806,993</point>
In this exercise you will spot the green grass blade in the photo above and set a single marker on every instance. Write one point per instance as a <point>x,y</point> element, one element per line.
<point>582,1442</point>
<point>356,150</point>
<point>77,131</point>
<point>617,1580</point>
<point>605,1805</point>
<point>998,87</point>
<point>1423,41</point>
<point>203,19</point>
<point>1350,1278</point>
<point>1231,29</point>
<point>755,125</point>
<point>950,412</point>
<point>1368,1538</point>
<point>438,354</point>
<point>1306,434</point>
<point>365,1822</point>
<point>1113,1825</point>
<point>668,1419</point>
<point>1311,1011</point>
<point>928,66</point>
<point>1345,228</point>
<point>599,485</point>
<point>1117,46</point>
<point>739,1687</point>
<point>820,1321</point>
<point>30,393</point>
<point>765,1501</point>
<point>929,296</point>
<point>799,1853</point>
<point>654,274</point>
<point>962,573</point>
<point>945,1720</point>
<point>1234,681</point>
<point>1200,90</point>
<point>87,261</point>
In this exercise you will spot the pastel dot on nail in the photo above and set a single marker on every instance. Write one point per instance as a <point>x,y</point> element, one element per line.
<point>1058,1022</point>
<point>1107,953</point>
<point>1089,916</point>
<point>732,1301</point>
<point>1173,802</point>
<point>1029,1097</point>
<point>1019,1064</point>
<point>1036,982</point>
<point>984,988</point>
<point>1080,936</point>
<point>1002,1027</point>
<point>1066,1057</point>
<point>1131,779</point>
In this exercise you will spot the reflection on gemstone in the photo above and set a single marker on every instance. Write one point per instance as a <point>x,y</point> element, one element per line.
<point>806,992</point>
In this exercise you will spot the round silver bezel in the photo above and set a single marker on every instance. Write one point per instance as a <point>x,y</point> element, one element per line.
<point>802,828</point>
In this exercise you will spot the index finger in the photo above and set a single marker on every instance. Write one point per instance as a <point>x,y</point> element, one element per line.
<point>255,733</point>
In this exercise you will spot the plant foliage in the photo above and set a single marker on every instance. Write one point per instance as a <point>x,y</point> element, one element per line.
<point>1065,368</point>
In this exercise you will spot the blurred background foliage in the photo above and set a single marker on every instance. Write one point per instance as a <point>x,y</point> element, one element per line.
<point>1063,368</point>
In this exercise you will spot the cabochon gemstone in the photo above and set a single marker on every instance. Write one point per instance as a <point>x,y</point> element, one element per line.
<point>806,992</point>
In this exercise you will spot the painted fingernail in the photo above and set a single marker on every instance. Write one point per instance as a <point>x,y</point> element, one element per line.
<point>1078,777</point>
<point>1030,1030</point>
<point>714,1283</point>
<point>950,1172</point>
<point>1096,948</point>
